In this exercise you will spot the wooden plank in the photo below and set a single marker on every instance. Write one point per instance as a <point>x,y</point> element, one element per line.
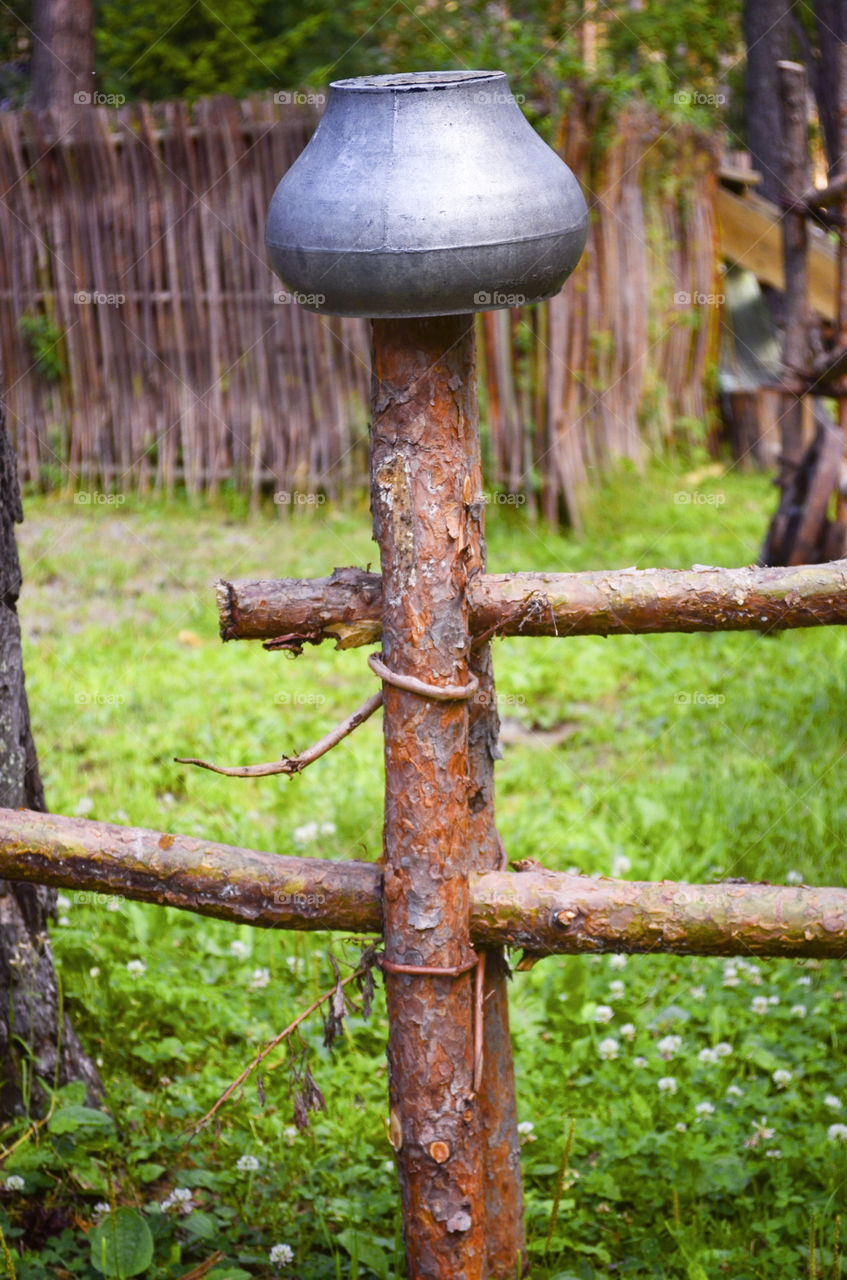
<point>749,234</point>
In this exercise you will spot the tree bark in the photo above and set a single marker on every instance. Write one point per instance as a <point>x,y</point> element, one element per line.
<point>545,912</point>
<point>766,28</point>
<point>62,53</point>
<point>37,1049</point>
<point>347,607</point>
<point>424,413</point>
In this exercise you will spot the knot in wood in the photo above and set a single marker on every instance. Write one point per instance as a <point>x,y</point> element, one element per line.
<point>566,917</point>
<point>440,1151</point>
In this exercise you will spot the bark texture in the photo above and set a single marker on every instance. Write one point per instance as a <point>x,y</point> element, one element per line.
<point>504,1231</point>
<point>795,237</point>
<point>766,34</point>
<point>545,912</point>
<point>36,1047</point>
<point>424,417</point>
<point>62,53</point>
<point>347,607</point>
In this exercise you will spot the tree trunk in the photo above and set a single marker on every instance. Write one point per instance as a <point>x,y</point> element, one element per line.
<point>62,53</point>
<point>766,26</point>
<point>35,1051</point>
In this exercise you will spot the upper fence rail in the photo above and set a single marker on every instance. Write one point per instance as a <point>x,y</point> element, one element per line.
<point>145,342</point>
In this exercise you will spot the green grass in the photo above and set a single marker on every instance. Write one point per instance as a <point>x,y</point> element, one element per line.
<point>602,762</point>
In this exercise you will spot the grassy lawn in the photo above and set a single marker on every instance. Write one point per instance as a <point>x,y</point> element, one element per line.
<point>706,1095</point>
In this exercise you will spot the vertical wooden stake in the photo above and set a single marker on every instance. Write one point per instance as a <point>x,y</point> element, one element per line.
<point>424,423</point>
<point>795,235</point>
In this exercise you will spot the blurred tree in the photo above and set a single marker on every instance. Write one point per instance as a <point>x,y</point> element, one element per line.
<point>62,52</point>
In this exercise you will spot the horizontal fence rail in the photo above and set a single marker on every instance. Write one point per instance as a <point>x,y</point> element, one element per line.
<point>145,343</point>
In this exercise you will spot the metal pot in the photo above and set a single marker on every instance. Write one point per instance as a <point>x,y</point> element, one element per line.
<point>425,194</point>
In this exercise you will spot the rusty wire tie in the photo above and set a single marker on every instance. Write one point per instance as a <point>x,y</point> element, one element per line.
<point>410,684</point>
<point>455,971</point>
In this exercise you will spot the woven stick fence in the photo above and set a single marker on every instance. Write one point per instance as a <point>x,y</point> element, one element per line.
<point>157,356</point>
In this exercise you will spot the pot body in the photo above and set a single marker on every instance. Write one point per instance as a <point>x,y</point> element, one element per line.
<point>425,194</point>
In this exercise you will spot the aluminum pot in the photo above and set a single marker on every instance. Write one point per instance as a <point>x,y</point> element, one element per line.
<point>425,194</point>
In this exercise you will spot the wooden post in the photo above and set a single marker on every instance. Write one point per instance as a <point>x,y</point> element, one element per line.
<point>424,422</point>
<point>840,175</point>
<point>792,86</point>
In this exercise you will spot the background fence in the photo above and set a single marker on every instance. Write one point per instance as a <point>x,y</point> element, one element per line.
<point>142,345</point>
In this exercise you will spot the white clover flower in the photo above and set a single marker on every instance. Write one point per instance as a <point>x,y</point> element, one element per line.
<point>667,1084</point>
<point>63,920</point>
<point>798,1011</point>
<point>239,948</point>
<point>14,1182</point>
<point>608,1048</point>
<point>762,1131</point>
<point>754,975</point>
<point>723,1049</point>
<point>261,978</point>
<point>730,976</point>
<point>794,877</point>
<point>708,1056</point>
<point>774,1153</point>
<point>525,1127</point>
<point>681,1127</point>
<point>281,1254</point>
<point>603,1014</point>
<point>328,828</point>
<point>773,999</point>
<point>113,904</point>
<point>832,1102</point>
<point>782,1077</point>
<point>290,1133</point>
<point>616,990</point>
<point>620,865</point>
<point>668,1046</point>
<point>734,1092</point>
<point>759,1004</point>
<point>837,1133</point>
<point>94,971</point>
<point>705,1109</point>
<point>247,1164</point>
<point>305,834</point>
<point>639,1062</point>
<point>295,963</point>
<point>804,980</point>
<point>100,1210</point>
<point>179,1198</point>
<point>63,903</point>
<point>136,967</point>
<point>628,1031</point>
<point>617,961</point>
<point>698,993</point>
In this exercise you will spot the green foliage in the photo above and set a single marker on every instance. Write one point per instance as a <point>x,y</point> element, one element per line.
<point>604,768</point>
<point>121,1245</point>
<point>44,339</point>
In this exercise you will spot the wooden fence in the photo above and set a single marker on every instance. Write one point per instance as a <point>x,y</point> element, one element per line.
<point>145,344</point>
